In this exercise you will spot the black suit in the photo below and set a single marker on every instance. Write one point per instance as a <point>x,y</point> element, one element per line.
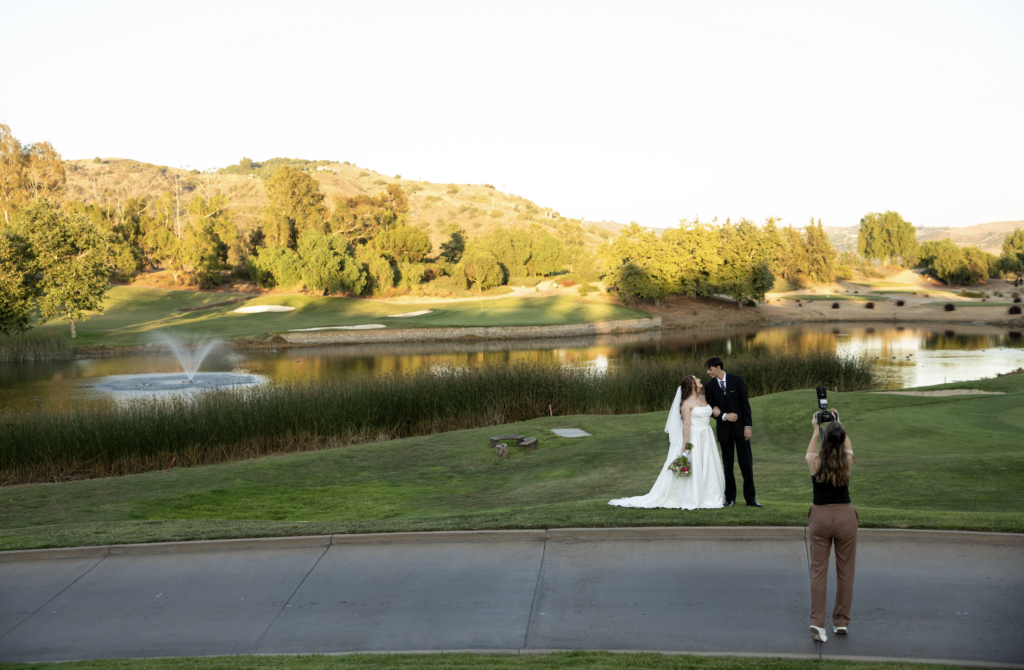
<point>734,400</point>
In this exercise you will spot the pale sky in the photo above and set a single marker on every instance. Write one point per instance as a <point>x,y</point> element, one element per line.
<point>642,111</point>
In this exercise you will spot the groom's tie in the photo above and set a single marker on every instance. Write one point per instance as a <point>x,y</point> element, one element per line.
<point>721,383</point>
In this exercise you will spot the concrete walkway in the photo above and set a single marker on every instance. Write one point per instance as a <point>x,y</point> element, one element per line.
<point>919,595</point>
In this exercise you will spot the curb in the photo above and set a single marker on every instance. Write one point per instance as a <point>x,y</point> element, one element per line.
<point>732,533</point>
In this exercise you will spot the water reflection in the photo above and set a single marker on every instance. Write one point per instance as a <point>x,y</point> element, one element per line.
<point>909,355</point>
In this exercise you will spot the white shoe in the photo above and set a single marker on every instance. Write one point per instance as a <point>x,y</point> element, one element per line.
<point>839,630</point>
<point>818,634</point>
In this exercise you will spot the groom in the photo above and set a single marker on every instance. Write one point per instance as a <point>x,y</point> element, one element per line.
<point>729,393</point>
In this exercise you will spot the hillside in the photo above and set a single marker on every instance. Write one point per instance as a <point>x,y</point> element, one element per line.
<point>986,236</point>
<point>478,209</point>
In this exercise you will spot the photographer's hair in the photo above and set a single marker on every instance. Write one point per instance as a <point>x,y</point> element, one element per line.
<point>689,385</point>
<point>714,362</point>
<point>833,466</point>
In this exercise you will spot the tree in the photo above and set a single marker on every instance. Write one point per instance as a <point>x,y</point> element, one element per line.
<point>295,204</point>
<point>821,255</point>
<point>452,250</point>
<point>380,275</point>
<point>512,248</point>
<point>329,264</point>
<point>887,238</point>
<point>404,244</point>
<point>1012,258</point>
<point>547,257</point>
<point>361,218</point>
<point>17,284</point>
<point>573,238</point>
<point>26,172</point>
<point>482,268</point>
<point>73,258</point>
<point>280,265</point>
<point>632,282</point>
<point>691,260</point>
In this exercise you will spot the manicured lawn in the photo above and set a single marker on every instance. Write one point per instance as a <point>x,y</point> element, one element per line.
<point>574,660</point>
<point>834,298</point>
<point>952,462</point>
<point>133,315</point>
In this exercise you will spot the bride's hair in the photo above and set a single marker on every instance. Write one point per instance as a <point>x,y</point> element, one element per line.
<point>689,385</point>
<point>833,466</point>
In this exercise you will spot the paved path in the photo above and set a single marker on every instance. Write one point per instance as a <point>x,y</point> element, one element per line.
<point>918,595</point>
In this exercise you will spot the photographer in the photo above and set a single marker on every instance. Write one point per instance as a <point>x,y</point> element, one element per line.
<point>832,520</point>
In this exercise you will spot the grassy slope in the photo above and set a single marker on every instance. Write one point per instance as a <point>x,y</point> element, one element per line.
<point>938,462</point>
<point>133,315</point>
<point>575,660</point>
<point>431,207</point>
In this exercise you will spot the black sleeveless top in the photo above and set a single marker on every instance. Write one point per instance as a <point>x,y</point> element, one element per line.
<point>826,494</point>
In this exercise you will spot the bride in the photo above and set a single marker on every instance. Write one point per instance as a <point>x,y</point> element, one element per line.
<point>689,421</point>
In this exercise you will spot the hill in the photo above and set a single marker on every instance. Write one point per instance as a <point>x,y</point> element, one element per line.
<point>477,208</point>
<point>986,236</point>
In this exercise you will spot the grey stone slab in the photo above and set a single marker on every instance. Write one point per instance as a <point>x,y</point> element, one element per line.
<point>27,585</point>
<point>459,595</point>
<point>570,432</point>
<point>674,595</point>
<point>206,603</point>
<point>934,600</point>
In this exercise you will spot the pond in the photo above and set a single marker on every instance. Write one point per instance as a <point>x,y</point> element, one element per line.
<point>907,355</point>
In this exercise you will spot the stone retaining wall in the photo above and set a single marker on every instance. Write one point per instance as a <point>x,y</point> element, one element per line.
<point>493,333</point>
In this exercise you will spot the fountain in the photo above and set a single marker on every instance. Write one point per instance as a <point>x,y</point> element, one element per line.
<point>190,353</point>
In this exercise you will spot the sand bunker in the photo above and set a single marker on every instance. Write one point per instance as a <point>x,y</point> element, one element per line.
<point>365,326</point>
<point>419,313</point>
<point>943,393</point>
<point>256,309</point>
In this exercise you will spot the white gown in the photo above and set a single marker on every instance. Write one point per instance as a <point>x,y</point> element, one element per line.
<point>705,487</point>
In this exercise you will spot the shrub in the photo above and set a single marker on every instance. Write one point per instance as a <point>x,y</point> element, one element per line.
<point>364,173</point>
<point>1015,309</point>
<point>844,272</point>
<point>433,198</point>
<point>452,189</point>
<point>398,176</point>
<point>970,294</point>
<point>950,307</point>
<point>869,305</point>
<point>835,305</point>
<point>379,182</point>
<point>488,186</point>
<point>586,288</point>
<point>900,303</point>
<point>496,214</point>
<point>1016,299</point>
<point>36,345</point>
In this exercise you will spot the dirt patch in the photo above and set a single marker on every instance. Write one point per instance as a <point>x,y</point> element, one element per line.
<point>942,393</point>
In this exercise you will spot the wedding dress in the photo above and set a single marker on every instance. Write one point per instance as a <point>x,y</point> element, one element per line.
<point>704,488</point>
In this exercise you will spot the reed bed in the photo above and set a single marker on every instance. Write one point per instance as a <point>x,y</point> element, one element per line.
<point>36,345</point>
<point>104,439</point>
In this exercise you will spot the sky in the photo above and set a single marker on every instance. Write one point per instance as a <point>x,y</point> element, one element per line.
<point>629,111</point>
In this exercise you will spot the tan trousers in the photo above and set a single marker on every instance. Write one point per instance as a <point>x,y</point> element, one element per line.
<point>828,525</point>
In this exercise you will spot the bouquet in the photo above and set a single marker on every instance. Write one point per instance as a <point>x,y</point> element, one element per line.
<point>681,466</point>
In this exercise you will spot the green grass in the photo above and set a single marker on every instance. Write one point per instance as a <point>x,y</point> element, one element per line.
<point>573,660</point>
<point>922,462</point>
<point>133,315</point>
<point>873,284</point>
<point>104,437</point>
<point>834,298</point>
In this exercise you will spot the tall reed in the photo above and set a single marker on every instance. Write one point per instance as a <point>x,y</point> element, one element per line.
<point>36,345</point>
<point>110,439</point>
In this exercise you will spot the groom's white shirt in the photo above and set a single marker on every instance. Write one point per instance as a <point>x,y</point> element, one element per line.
<point>723,386</point>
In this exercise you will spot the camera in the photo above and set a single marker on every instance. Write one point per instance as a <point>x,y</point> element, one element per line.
<point>824,415</point>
